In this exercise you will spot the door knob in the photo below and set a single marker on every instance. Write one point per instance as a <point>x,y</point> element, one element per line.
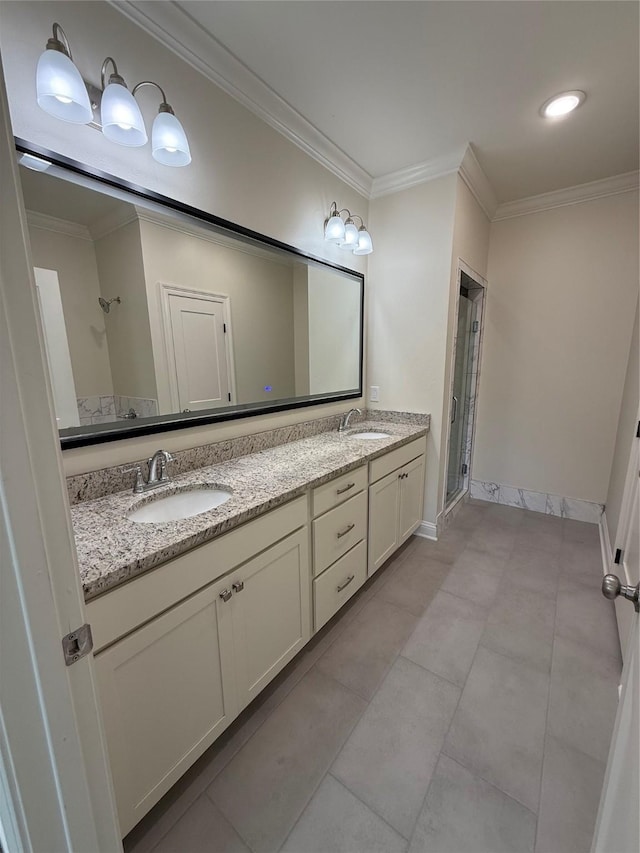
<point>612,588</point>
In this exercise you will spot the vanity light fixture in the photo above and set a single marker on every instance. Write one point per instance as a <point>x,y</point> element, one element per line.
<point>344,233</point>
<point>62,92</point>
<point>562,104</point>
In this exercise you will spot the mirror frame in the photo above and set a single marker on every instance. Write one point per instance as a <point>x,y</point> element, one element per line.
<point>179,420</point>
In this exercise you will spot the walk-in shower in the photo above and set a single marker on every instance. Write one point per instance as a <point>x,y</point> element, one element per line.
<point>466,356</point>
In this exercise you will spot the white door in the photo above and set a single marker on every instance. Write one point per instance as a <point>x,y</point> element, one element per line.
<point>618,826</point>
<point>198,352</point>
<point>57,348</point>
<point>55,784</point>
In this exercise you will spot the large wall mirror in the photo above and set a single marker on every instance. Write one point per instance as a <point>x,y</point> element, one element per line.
<point>157,316</point>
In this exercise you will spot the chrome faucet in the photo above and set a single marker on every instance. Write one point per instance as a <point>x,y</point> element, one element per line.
<point>344,420</point>
<point>157,472</point>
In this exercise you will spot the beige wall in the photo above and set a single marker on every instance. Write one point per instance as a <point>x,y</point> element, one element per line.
<point>121,270</point>
<point>74,259</point>
<point>301,327</point>
<point>260,295</point>
<point>627,426</point>
<point>563,286</point>
<point>242,169</point>
<point>408,309</point>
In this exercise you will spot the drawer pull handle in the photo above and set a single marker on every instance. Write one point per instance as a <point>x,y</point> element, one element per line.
<point>226,594</point>
<point>237,586</point>
<point>345,584</point>
<point>345,489</point>
<point>344,532</point>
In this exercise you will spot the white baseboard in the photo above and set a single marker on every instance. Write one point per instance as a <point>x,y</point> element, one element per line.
<point>605,544</point>
<point>427,530</point>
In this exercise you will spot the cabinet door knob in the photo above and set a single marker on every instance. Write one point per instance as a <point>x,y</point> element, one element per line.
<point>344,532</point>
<point>237,586</point>
<point>226,594</point>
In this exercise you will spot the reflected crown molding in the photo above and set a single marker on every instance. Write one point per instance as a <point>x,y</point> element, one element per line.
<point>59,226</point>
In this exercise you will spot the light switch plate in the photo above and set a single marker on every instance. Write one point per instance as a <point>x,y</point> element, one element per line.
<point>374,393</point>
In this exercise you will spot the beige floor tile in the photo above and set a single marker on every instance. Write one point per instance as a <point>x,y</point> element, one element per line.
<point>414,585</point>
<point>498,728</point>
<point>464,814</point>
<point>500,515</point>
<point>584,616</point>
<point>389,758</point>
<point>335,821</point>
<point>202,829</point>
<point>570,794</point>
<point>584,697</point>
<point>580,531</point>
<point>535,570</point>
<point>263,790</point>
<point>475,575</point>
<point>496,540</point>
<point>361,656</point>
<point>446,637</point>
<point>520,624</point>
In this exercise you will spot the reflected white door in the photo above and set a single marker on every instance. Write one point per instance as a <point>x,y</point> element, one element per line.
<point>57,348</point>
<point>618,825</point>
<point>198,351</point>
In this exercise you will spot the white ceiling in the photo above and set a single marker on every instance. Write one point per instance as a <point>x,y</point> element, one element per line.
<point>387,85</point>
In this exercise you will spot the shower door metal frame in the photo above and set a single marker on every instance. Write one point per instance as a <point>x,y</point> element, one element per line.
<point>470,437</point>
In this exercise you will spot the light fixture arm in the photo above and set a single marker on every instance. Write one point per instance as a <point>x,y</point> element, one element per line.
<point>59,41</point>
<point>114,77</point>
<point>165,107</point>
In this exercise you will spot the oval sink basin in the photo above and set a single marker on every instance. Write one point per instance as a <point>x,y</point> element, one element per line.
<point>370,435</point>
<point>184,504</point>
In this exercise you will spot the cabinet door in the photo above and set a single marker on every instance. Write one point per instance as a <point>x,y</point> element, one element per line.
<point>383,520</point>
<point>411,498</point>
<point>271,613</point>
<point>167,693</point>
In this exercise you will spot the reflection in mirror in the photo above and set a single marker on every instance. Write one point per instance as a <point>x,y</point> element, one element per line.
<point>152,316</point>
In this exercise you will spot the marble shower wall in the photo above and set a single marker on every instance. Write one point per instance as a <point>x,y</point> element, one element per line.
<point>537,501</point>
<point>105,408</point>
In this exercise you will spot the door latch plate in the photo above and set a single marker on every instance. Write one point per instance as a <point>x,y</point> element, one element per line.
<point>77,644</point>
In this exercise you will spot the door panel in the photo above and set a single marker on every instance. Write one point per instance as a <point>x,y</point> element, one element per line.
<point>411,498</point>
<point>199,352</point>
<point>383,520</point>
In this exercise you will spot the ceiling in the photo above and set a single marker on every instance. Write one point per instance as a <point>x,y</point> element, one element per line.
<point>392,85</point>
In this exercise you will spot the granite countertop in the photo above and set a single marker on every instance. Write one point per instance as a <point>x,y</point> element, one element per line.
<point>112,549</point>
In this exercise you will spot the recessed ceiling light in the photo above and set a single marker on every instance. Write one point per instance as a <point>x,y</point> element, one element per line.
<point>562,104</point>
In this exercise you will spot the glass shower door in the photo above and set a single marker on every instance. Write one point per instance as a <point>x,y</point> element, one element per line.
<point>462,376</point>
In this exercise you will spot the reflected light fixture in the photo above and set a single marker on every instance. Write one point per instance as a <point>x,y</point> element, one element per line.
<point>62,92</point>
<point>562,104</point>
<point>345,233</point>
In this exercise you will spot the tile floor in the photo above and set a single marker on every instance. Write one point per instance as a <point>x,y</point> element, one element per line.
<point>462,701</point>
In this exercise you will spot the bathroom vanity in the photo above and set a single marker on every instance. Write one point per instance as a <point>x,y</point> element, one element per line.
<point>234,593</point>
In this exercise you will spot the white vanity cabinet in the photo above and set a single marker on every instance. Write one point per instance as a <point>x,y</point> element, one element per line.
<point>396,498</point>
<point>170,686</point>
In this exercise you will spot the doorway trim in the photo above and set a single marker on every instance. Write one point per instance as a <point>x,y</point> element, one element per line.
<point>168,290</point>
<point>447,512</point>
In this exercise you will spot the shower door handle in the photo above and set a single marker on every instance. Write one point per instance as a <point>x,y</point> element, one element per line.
<point>454,414</point>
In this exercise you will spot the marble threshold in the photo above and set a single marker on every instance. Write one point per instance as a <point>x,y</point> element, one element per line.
<point>550,504</point>
<point>113,549</point>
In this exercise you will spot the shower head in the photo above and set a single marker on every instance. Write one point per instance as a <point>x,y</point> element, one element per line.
<point>106,304</point>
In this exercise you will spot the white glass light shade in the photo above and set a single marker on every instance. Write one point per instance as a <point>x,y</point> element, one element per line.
<point>169,143</point>
<point>121,117</point>
<point>60,90</point>
<point>334,229</point>
<point>351,235</point>
<point>365,243</point>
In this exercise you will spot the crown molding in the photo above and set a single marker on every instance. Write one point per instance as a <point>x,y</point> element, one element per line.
<point>421,173</point>
<point>615,185</point>
<point>183,36</point>
<point>113,221</point>
<point>57,225</point>
<point>474,177</point>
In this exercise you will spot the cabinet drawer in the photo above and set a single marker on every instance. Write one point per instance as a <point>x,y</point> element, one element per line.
<point>339,490</point>
<point>384,465</point>
<point>338,530</point>
<point>338,584</point>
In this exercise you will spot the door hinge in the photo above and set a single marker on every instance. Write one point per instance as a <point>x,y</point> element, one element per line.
<point>618,556</point>
<point>464,468</point>
<point>77,644</point>
<point>638,430</point>
<point>475,326</point>
<point>224,328</point>
<point>229,396</point>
